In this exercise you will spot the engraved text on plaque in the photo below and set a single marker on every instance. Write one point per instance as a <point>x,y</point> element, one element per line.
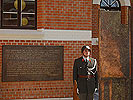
<point>32,63</point>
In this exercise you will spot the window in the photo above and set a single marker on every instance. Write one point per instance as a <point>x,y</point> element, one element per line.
<point>110,5</point>
<point>18,14</point>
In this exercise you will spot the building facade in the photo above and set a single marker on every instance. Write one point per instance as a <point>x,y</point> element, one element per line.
<point>67,23</point>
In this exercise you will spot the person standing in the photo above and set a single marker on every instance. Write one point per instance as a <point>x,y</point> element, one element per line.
<point>85,74</point>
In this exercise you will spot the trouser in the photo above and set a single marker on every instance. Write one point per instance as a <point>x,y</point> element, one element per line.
<point>85,96</point>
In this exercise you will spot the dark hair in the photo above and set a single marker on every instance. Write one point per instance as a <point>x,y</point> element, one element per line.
<point>84,47</point>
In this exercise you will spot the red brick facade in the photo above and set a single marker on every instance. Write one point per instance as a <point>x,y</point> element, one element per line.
<point>60,15</point>
<point>43,89</point>
<point>124,14</point>
<point>64,14</point>
<point>52,14</point>
<point>95,29</point>
<point>95,20</point>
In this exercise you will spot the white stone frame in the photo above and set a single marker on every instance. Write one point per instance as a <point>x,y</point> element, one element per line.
<point>123,2</point>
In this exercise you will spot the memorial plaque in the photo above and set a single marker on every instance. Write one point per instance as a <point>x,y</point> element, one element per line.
<point>114,57</point>
<point>32,63</point>
<point>113,45</point>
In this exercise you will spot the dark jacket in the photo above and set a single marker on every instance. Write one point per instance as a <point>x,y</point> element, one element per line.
<point>80,68</point>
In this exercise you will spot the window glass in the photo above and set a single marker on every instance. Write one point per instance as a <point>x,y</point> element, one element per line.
<point>110,4</point>
<point>28,13</point>
<point>9,13</point>
<point>18,13</point>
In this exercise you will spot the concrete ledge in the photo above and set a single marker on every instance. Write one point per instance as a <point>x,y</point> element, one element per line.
<point>46,34</point>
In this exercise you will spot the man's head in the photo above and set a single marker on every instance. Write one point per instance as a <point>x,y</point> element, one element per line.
<point>85,51</point>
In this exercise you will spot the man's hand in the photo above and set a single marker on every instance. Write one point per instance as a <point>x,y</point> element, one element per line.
<point>96,89</point>
<point>77,91</point>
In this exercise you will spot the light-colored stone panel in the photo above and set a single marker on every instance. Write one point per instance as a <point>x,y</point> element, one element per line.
<point>42,34</point>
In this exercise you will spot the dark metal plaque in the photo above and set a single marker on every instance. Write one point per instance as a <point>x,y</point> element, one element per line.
<point>32,63</point>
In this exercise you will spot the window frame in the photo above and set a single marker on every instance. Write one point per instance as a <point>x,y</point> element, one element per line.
<point>19,18</point>
<point>111,8</point>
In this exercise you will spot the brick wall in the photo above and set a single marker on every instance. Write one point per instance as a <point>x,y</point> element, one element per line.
<point>64,14</point>
<point>43,89</point>
<point>95,29</point>
<point>95,20</point>
<point>52,14</point>
<point>124,14</point>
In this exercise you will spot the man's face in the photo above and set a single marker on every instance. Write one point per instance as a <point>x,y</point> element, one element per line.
<point>86,52</point>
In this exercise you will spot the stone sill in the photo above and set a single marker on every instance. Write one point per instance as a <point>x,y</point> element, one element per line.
<point>46,34</point>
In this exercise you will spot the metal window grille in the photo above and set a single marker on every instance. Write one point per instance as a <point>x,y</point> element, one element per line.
<point>110,5</point>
